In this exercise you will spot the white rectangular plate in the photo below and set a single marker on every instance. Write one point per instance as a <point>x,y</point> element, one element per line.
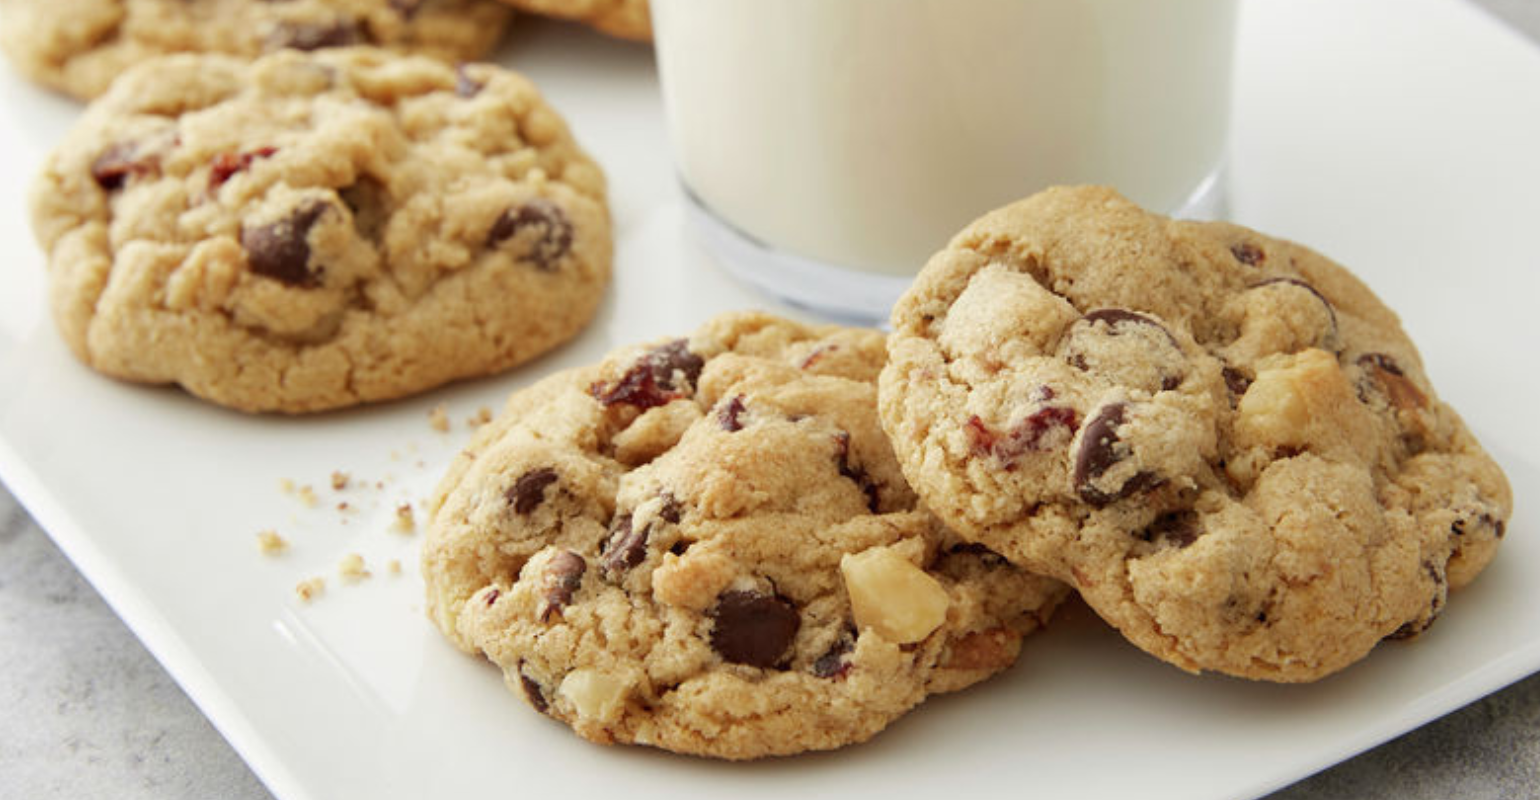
<point>1398,137</point>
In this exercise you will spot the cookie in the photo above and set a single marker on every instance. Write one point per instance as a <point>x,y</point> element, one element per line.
<point>80,46</point>
<point>1223,440</point>
<point>316,230</point>
<point>705,545</point>
<point>627,19</point>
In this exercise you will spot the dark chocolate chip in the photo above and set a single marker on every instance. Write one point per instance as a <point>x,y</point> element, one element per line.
<point>118,163</point>
<point>833,664</point>
<point>311,36</point>
<point>1179,528</point>
<point>553,231</point>
<point>986,556</point>
<point>854,472</point>
<point>1116,316</point>
<point>1236,381</point>
<point>280,250</point>
<point>1412,628</point>
<point>528,492</point>
<point>532,691</point>
<point>465,85</point>
<point>1398,388</point>
<point>671,510</point>
<point>753,628</point>
<point>663,375</point>
<point>1099,452</point>
<point>226,165</point>
<point>563,577</point>
<point>625,548</point>
<point>1248,254</point>
<point>730,414</point>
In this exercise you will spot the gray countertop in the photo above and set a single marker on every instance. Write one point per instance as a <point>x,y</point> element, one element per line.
<point>87,712</point>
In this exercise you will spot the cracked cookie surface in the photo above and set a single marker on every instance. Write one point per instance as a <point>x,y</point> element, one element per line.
<point>315,230</point>
<point>627,19</point>
<point>1223,440</point>
<point>80,46</point>
<point>705,545</point>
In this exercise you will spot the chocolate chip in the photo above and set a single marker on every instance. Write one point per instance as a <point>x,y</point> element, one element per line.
<point>663,375</point>
<point>1236,381</point>
<point>1114,324</point>
<point>528,492</point>
<point>1030,434</point>
<point>118,163</point>
<point>987,557</point>
<point>671,511</point>
<point>532,691</point>
<point>280,251</point>
<point>465,85</point>
<point>1179,528</point>
<point>625,548</point>
<point>753,628</point>
<point>1099,452</point>
<point>1398,388</point>
<point>730,415</point>
<point>553,237</point>
<point>1330,311</point>
<point>854,472</point>
<point>1248,254</point>
<point>406,8</point>
<point>311,36</point>
<point>226,165</point>
<point>563,576</point>
<point>1436,604</point>
<point>833,664</point>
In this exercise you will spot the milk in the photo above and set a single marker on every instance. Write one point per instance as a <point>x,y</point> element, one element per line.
<point>864,133</point>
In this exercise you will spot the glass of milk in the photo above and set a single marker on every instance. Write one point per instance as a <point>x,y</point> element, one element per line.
<point>829,147</point>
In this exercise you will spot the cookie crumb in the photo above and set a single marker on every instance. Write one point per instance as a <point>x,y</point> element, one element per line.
<point>310,588</point>
<point>339,481</point>
<point>394,566</point>
<point>438,418</point>
<point>271,543</point>
<point>307,496</point>
<point>286,485</point>
<point>406,521</point>
<point>483,416</point>
<point>352,568</point>
<point>343,506</point>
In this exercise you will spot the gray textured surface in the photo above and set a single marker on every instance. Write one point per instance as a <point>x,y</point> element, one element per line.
<point>85,711</point>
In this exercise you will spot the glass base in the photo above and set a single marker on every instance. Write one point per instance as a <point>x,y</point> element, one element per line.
<point>843,293</point>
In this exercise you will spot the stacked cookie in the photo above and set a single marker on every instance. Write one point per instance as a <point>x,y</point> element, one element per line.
<point>1223,441</point>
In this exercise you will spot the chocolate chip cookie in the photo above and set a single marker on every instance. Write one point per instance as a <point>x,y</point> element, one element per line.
<point>316,230</point>
<point>1223,440</point>
<point>627,19</point>
<point>80,46</point>
<point>705,545</point>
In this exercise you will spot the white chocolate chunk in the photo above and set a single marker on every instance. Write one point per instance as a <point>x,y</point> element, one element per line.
<point>892,596</point>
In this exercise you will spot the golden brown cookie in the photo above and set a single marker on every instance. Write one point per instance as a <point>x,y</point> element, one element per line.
<point>627,19</point>
<point>80,46</point>
<point>706,545</point>
<point>316,230</point>
<point>1224,441</point>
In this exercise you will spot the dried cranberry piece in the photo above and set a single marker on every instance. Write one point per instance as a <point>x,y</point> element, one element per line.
<point>528,492</point>
<point>280,250</point>
<point>730,415</point>
<point>563,577</point>
<point>663,375</point>
<point>554,231</point>
<point>833,664</point>
<point>226,165</point>
<point>1028,435</point>
<point>752,627</point>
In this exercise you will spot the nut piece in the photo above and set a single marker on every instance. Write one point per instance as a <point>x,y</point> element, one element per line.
<point>892,596</point>
<point>595,696</point>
